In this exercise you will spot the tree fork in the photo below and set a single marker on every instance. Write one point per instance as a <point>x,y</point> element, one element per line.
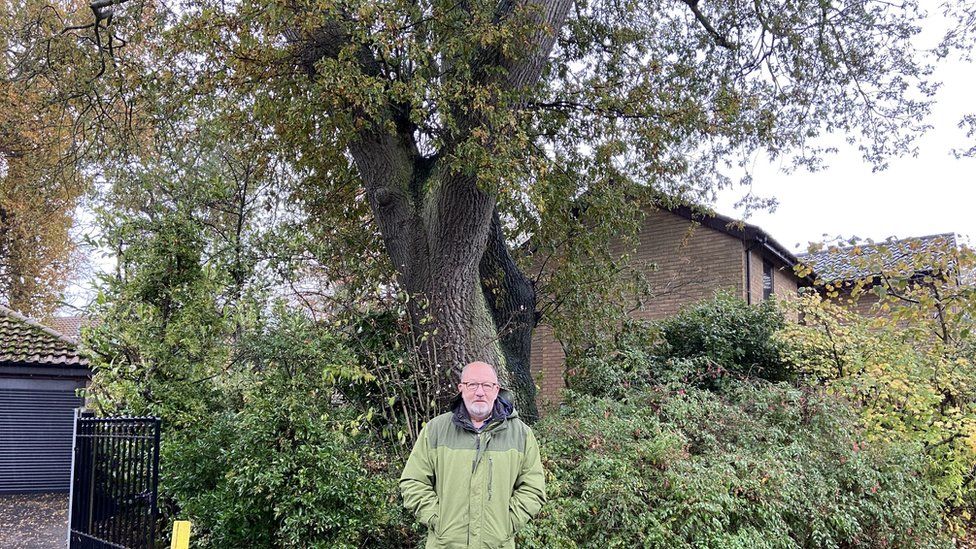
<point>445,240</point>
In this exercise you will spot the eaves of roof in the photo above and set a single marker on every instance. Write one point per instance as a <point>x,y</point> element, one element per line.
<point>724,224</point>
<point>738,229</point>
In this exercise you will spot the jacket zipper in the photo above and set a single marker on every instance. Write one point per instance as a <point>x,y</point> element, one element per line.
<point>477,451</point>
<point>490,469</point>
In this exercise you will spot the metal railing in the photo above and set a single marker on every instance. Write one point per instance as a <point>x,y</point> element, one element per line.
<point>114,483</point>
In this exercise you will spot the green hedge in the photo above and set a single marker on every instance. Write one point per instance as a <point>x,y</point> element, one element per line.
<point>704,345</point>
<point>759,465</point>
<point>288,462</point>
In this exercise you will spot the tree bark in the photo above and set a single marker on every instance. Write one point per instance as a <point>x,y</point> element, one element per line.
<point>510,297</point>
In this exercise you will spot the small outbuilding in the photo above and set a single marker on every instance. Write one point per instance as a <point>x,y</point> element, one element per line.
<point>40,373</point>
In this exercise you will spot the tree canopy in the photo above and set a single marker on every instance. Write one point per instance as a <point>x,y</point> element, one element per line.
<point>40,182</point>
<point>470,141</point>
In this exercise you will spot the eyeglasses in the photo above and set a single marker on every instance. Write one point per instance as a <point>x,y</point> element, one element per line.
<point>473,386</point>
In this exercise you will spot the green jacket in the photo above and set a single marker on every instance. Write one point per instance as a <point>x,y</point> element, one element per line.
<point>474,489</point>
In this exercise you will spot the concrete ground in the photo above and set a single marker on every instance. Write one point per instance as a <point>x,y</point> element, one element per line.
<point>33,521</point>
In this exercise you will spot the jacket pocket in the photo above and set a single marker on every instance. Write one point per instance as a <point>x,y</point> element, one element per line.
<point>509,540</point>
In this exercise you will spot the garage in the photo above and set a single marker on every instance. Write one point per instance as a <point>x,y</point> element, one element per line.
<point>40,372</point>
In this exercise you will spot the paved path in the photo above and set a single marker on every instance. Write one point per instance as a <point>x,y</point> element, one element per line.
<point>33,521</point>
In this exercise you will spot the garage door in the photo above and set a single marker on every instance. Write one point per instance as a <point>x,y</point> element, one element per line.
<point>35,439</point>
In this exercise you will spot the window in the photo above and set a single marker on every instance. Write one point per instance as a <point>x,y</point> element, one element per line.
<point>767,279</point>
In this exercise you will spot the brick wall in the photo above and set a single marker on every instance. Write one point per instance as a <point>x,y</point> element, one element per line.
<point>547,366</point>
<point>694,262</point>
<point>785,283</point>
<point>864,305</point>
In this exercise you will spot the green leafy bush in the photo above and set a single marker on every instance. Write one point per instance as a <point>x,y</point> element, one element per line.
<point>757,465</point>
<point>615,368</point>
<point>291,464</point>
<point>703,346</point>
<point>729,337</point>
<point>906,383</point>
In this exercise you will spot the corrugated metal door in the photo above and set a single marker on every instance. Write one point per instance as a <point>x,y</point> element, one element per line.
<point>35,439</point>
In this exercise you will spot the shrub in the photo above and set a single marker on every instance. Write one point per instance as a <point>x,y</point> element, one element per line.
<point>904,382</point>
<point>728,335</point>
<point>289,465</point>
<point>758,465</point>
<point>704,345</point>
<point>617,368</point>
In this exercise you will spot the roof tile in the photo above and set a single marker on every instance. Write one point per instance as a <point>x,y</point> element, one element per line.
<point>849,262</point>
<point>27,343</point>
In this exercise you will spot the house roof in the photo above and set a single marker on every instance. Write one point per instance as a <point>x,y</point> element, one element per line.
<point>738,229</point>
<point>24,342</point>
<point>68,326</point>
<point>854,262</point>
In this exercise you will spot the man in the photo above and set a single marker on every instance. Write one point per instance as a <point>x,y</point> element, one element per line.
<point>474,476</point>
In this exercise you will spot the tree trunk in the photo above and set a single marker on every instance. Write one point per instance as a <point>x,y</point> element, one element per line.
<point>442,232</point>
<point>485,312</point>
<point>468,299</point>
<point>475,303</point>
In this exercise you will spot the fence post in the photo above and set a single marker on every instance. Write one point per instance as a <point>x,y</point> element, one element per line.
<point>181,535</point>
<point>74,453</point>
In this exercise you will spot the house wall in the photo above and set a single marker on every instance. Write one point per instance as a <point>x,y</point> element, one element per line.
<point>864,305</point>
<point>547,366</point>
<point>785,283</point>
<point>694,262</point>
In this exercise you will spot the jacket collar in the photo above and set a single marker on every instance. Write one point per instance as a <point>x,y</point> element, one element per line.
<point>501,411</point>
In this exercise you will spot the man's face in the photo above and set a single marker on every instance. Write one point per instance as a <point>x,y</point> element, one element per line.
<point>479,389</point>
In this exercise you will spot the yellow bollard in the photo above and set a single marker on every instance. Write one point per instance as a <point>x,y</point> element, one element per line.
<point>181,535</point>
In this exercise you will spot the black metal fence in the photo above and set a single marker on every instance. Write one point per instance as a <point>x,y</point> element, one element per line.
<point>114,480</point>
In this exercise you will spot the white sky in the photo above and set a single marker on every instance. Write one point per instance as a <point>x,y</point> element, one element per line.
<point>930,193</point>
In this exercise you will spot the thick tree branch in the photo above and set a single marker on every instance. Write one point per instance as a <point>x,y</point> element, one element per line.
<point>387,162</point>
<point>510,297</point>
<point>99,5</point>
<point>327,42</point>
<point>720,39</point>
<point>387,168</point>
<point>493,69</point>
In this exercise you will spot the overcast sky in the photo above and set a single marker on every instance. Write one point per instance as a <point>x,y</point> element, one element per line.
<point>931,193</point>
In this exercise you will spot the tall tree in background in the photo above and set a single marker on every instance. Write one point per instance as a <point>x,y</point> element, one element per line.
<point>459,129</point>
<point>40,183</point>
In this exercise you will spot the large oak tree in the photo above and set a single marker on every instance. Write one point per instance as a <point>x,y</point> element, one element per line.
<point>461,129</point>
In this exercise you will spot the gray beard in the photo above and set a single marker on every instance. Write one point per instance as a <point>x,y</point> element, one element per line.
<point>479,410</point>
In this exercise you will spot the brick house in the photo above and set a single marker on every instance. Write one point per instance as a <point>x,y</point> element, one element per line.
<point>696,256</point>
